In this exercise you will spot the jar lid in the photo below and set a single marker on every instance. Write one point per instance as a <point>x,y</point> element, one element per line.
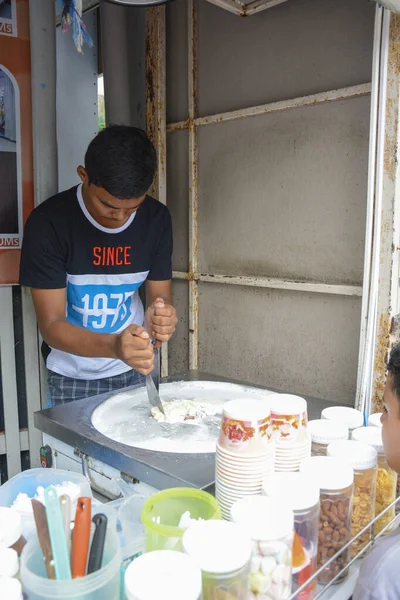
<point>246,409</point>
<point>10,526</point>
<point>163,574</point>
<point>10,588</point>
<point>359,455</point>
<point>299,490</point>
<point>264,518</point>
<point>325,431</point>
<point>351,417</point>
<point>329,474</point>
<point>375,420</point>
<point>217,546</point>
<point>369,435</point>
<point>9,564</point>
<point>287,404</point>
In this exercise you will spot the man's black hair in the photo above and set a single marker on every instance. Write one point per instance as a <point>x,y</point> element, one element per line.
<point>394,369</point>
<point>122,160</point>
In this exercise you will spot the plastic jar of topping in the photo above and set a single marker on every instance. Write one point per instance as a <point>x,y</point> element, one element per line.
<point>374,420</point>
<point>350,417</point>
<point>363,458</point>
<point>163,574</point>
<point>323,432</point>
<point>386,481</point>
<point>11,529</point>
<point>222,551</point>
<point>301,492</point>
<point>269,522</point>
<point>335,480</point>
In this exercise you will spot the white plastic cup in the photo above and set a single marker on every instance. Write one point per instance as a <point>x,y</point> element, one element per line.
<point>288,418</point>
<point>163,574</point>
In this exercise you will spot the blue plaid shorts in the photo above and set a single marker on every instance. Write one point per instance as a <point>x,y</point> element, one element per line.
<point>66,389</point>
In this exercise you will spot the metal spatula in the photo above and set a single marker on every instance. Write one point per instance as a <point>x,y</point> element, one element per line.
<point>153,381</point>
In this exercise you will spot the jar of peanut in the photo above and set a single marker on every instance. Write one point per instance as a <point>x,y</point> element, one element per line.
<point>386,481</point>
<point>335,480</point>
<point>363,458</point>
<point>324,432</point>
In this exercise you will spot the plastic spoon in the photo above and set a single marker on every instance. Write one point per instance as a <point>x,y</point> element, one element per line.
<point>99,538</point>
<point>57,537</point>
<point>39,513</point>
<point>81,537</point>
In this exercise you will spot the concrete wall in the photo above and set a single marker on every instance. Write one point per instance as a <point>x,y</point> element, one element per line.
<point>77,121</point>
<point>280,195</point>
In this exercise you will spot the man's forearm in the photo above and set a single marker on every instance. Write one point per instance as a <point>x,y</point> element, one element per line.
<point>64,336</point>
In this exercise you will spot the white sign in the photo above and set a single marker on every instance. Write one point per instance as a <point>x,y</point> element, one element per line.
<point>8,18</point>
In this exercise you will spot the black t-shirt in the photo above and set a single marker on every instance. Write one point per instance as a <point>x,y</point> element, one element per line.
<point>102,269</point>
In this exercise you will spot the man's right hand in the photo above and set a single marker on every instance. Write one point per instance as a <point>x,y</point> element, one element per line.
<point>135,349</point>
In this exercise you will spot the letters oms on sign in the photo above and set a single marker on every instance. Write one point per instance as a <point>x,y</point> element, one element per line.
<point>111,256</point>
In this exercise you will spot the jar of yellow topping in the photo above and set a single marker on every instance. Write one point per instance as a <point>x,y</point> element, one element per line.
<point>363,458</point>
<point>386,481</point>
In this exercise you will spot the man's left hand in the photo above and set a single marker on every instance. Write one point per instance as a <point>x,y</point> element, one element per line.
<point>161,320</point>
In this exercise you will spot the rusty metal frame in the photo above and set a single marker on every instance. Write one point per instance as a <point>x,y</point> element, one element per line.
<point>157,127</point>
<point>193,189</point>
<point>246,9</point>
<point>387,263</point>
<point>156,112</point>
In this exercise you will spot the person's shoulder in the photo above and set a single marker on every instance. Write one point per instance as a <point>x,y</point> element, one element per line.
<point>57,206</point>
<point>154,207</point>
<point>379,572</point>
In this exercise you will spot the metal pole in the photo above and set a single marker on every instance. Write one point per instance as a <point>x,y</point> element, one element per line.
<point>193,190</point>
<point>366,308</point>
<point>43,69</point>
<point>44,79</point>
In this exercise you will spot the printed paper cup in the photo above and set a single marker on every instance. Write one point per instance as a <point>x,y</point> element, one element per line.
<point>288,417</point>
<point>245,426</point>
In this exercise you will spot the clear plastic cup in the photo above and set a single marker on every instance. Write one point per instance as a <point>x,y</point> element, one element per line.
<point>104,584</point>
<point>162,513</point>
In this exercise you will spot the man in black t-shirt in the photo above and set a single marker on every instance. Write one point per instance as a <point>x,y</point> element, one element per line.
<point>85,254</point>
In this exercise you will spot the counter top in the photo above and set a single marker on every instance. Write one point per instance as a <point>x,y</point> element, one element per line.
<point>71,423</point>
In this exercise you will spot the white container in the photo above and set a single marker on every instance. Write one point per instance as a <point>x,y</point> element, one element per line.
<point>163,574</point>
<point>350,417</point>
<point>335,479</point>
<point>10,589</point>
<point>364,459</point>
<point>323,432</point>
<point>270,524</point>
<point>222,551</point>
<point>9,563</point>
<point>374,420</point>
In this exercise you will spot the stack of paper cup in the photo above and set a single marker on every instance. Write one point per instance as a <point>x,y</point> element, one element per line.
<point>289,431</point>
<point>245,451</point>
